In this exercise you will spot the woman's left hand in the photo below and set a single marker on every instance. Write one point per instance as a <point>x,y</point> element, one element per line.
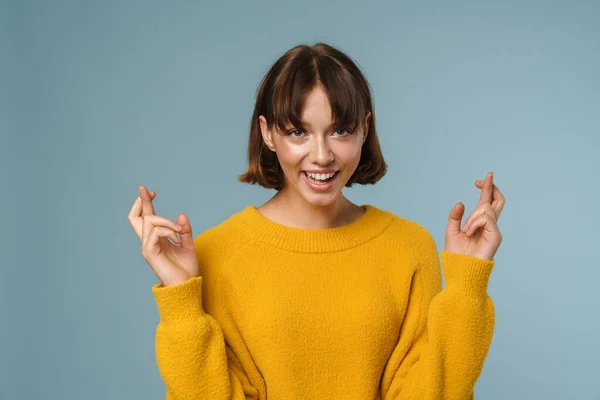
<point>480,236</point>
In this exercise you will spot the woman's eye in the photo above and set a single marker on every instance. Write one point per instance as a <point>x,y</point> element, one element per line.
<point>298,133</point>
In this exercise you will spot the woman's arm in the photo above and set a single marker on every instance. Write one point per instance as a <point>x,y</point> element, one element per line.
<point>192,355</point>
<point>446,334</point>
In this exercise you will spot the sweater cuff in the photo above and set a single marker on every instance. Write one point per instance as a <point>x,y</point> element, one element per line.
<point>181,304</point>
<point>468,274</point>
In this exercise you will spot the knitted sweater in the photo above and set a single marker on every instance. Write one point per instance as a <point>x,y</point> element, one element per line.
<point>354,312</point>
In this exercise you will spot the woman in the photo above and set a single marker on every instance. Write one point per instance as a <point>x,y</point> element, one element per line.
<point>310,296</point>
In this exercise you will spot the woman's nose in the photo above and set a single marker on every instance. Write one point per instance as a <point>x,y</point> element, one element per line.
<point>321,153</point>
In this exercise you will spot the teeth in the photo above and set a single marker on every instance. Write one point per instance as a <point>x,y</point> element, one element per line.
<point>320,177</point>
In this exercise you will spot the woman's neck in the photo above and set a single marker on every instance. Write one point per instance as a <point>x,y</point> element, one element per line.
<point>295,212</point>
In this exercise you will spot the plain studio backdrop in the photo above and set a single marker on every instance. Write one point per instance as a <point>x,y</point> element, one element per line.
<point>97,98</point>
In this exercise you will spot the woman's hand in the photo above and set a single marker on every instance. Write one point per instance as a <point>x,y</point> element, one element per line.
<point>480,236</point>
<point>172,264</point>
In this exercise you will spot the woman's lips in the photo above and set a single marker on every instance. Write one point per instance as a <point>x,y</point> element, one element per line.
<point>319,187</point>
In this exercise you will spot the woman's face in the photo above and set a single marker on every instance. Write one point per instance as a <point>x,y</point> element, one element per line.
<point>322,149</point>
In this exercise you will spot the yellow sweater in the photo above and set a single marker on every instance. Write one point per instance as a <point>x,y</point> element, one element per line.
<point>355,312</point>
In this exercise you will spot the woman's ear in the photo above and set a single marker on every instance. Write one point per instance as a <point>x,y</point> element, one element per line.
<point>266,132</point>
<point>366,130</point>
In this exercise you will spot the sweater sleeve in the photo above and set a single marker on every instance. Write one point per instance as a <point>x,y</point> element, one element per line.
<point>192,355</point>
<point>446,334</point>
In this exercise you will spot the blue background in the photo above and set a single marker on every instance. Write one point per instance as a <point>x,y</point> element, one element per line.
<point>99,97</point>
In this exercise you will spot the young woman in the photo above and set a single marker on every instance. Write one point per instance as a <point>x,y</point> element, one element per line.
<point>310,296</point>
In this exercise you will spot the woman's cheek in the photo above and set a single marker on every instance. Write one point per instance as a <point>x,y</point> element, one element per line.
<point>288,153</point>
<point>349,152</point>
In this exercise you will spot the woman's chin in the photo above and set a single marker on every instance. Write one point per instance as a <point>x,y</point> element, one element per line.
<point>317,198</point>
<point>322,199</point>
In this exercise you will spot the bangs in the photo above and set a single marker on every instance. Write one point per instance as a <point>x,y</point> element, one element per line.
<point>348,103</point>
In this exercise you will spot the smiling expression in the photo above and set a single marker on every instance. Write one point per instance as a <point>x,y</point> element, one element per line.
<point>318,146</point>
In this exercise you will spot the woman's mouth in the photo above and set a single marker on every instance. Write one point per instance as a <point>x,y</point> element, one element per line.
<point>319,182</point>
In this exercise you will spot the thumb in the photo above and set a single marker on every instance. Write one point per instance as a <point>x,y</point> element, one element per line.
<point>455,218</point>
<point>187,241</point>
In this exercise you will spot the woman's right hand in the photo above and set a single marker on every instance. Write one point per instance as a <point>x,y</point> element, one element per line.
<point>172,264</point>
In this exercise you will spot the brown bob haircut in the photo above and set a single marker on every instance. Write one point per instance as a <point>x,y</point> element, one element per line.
<point>280,98</point>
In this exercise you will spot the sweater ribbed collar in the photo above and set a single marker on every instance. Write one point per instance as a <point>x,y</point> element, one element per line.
<point>315,240</point>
